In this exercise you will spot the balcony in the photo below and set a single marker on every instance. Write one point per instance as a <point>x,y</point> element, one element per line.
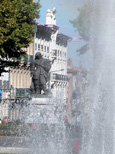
<point>59,77</point>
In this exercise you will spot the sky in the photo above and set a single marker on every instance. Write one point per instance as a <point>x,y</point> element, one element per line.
<point>66,10</point>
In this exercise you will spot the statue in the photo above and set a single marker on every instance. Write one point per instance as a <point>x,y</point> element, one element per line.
<point>40,68</point>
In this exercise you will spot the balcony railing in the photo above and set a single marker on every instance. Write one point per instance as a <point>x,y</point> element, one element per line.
<point>56,76</point>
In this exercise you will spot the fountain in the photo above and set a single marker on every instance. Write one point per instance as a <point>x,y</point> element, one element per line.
<point>46,132</point>
<point>43,114</point>
<point>99,101</point>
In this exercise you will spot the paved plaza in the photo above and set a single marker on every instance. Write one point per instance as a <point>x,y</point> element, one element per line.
<point>10,144</point>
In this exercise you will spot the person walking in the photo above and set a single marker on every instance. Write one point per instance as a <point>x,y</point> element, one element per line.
<point>76,148</point>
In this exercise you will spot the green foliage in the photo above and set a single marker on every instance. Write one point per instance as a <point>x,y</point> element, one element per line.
<point>83,49</point>
<point>13,129</point>
<point>83,24</point>
<point>16,29</point>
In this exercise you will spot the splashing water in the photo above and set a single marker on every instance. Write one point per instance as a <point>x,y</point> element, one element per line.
<point>99,110</point>
<point>46,133</point>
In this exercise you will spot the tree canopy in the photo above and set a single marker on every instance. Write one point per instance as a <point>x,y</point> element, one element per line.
<point>83,24</point>
<point>17,21</point>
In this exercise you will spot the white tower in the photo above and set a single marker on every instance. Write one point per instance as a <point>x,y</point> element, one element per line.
<point>50,17</point>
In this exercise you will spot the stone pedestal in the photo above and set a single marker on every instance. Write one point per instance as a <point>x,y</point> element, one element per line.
<point>41,110</point>
<point>45,118</point>
<point>41,101</point>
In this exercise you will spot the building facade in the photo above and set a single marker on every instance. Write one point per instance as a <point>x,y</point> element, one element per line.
<point>52,45</point>
<point>15,85</point>
<point>74,90</point>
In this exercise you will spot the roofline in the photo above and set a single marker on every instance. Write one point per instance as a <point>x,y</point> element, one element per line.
<point>68,38</point>
<point>49,29</point>
<point>46,29</point>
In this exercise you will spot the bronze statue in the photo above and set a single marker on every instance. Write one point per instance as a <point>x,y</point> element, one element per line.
<point>40,73</point>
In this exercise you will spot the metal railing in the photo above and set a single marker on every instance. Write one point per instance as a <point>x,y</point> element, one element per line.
<point>56,76</point>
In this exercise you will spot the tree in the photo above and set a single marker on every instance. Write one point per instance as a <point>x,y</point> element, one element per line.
<point>83,24</point>
<point>17,21</point>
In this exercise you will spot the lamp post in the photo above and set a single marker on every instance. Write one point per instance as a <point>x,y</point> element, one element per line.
<point>10,98</point>
<point>11,88</point>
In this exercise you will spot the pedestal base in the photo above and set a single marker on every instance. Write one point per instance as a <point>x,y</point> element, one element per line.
<point>40,101</point>
<point>41,110</point>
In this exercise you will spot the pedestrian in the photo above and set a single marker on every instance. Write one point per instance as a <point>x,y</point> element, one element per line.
<point>76,148</point>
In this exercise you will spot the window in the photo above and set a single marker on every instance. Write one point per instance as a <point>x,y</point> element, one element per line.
<point>65,54</point>
<point>28,91</point>
<point>20,92</point>
<point>42,47</point>
<point>38,46</point>
<point>0,84</point>
<point>60,53</point>
<point>47,49</point>
<point>54,52</point>
<point>35,46</point>
<point>25,59</point>
<point>30,58</point>
<point>5,84</point>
